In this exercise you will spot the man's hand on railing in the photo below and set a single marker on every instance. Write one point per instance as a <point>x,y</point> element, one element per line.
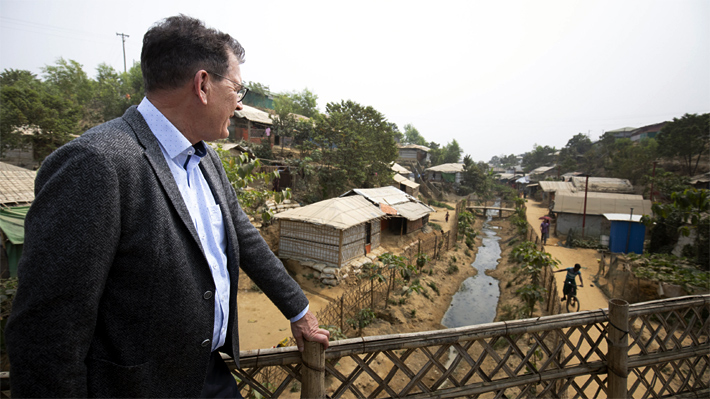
<point>307,329</point>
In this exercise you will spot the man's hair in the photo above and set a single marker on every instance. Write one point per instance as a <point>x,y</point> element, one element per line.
<point>577,266</point>
<point>175,48</point>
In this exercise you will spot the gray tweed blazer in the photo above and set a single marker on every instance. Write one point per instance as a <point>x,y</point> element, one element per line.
<point>115,293</point>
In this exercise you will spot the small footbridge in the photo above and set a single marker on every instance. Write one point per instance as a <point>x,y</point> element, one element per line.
<point>504,208</point>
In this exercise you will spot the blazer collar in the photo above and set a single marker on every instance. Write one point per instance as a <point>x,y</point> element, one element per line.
<point>157,161</point>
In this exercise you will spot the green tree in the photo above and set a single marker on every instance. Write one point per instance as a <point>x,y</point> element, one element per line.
<point>302,103</point>
<point>356,145</point>
<point>26,106</point>
<point>687,212</point>
<point>570,157</point>
<point>687,138</point>
<point>450,153</point>
<point>539,156</point>
<point>631,161</point>
<point>476,177</point>
<point>412,136</point>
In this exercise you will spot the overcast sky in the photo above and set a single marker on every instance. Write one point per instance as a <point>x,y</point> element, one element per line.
<point>498,76</point>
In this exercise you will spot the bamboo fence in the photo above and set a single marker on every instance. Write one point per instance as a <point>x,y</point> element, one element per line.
<point>654,349</point>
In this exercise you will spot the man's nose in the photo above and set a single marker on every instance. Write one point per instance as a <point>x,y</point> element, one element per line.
<point>240,106</point>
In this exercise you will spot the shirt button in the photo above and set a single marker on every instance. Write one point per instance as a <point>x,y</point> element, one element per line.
<point>207,295</point>
<point>205,343</point>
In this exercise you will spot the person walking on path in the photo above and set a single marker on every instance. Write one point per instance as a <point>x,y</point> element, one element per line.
<point>447,216</point>
<point>135,240</point>
<point>570,285</point>
<point>545,231</point>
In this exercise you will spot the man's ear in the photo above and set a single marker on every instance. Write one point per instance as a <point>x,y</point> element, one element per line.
<point>201,85</point>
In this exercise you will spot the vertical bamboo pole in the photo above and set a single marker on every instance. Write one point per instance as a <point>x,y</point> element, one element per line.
<point>618,348</point>
<point>313,371</point>
<point>341,314</point>
<point>435,246</point>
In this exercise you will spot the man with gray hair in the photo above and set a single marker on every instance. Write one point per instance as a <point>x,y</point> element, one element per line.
<point>128,281</point>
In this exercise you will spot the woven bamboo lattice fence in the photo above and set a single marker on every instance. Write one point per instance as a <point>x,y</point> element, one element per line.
<point>561,356</point>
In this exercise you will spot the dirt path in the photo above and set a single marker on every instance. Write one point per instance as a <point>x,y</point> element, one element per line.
<point>590,297</point>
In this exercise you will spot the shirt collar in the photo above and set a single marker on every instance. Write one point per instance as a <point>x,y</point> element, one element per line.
<point>169,137</point>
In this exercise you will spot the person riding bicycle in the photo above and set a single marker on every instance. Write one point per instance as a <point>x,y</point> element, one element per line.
<point>570,286</point>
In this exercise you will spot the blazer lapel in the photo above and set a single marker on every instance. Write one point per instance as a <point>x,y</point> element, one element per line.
<point>157,161</point>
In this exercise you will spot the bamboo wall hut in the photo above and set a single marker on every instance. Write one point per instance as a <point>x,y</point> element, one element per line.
<point>406,213</point>
<point>332,232</point>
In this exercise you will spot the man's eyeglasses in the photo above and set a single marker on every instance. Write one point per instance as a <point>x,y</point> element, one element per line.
<point>241,93</point>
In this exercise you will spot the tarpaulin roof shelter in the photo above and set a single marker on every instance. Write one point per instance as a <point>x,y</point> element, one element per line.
<point>555,186</point>
<point>340,213</point>
<point>603,185</point>
<point>12,225</point>
<point>254,115</point>
<point>400,169</point>
<point>403,180</point>
<point>447,168</point>
<point>414,146</point>
<point>406,206</point>
<point>17,185</point>
<point>601,203</point>
<point>541,169</point>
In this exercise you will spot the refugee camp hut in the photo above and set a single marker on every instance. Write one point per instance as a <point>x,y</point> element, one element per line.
<point>397,168</point>
<point>701,181</point>
<point>250,124</point>
<point>16,194</point>
<point>626,234</point>
<point>413,153</point>
<point>332,231</point>
<point>570,213</point>
<point>448,172</point>
<point>603,185</point>
<point>406,185</point>
<point>550,188</point>
<point>406,213</point>
<point>543,172</point>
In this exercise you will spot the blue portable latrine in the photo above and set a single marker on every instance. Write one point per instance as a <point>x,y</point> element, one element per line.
<point>627,233</point>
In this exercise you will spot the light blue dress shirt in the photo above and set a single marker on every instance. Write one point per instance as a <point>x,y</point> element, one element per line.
<point>183,160</point>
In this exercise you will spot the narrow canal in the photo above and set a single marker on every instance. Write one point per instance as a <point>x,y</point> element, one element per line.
<point>477,299</point>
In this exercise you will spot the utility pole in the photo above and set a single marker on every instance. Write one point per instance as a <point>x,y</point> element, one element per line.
<point>123,38</point>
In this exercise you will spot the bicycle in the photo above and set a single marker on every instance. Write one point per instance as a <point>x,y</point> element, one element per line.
<point>572,303</point>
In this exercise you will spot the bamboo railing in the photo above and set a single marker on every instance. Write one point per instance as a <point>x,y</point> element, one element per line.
<point>565,355</point>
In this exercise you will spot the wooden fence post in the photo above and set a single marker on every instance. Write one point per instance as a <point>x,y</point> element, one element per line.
<point>313,371</point>
<point>435,238</point>
<point>342,330</point>
<point>617,359</point>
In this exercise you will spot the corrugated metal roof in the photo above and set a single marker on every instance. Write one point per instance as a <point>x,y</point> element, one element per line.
<point>556,186</point>
<point>623,217</point>
<point>601,203</point>
<point>17,185</point>
<point>340,213</point>
<point>406,205</point>
<point>447,168</point>
<point>254,115</point>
